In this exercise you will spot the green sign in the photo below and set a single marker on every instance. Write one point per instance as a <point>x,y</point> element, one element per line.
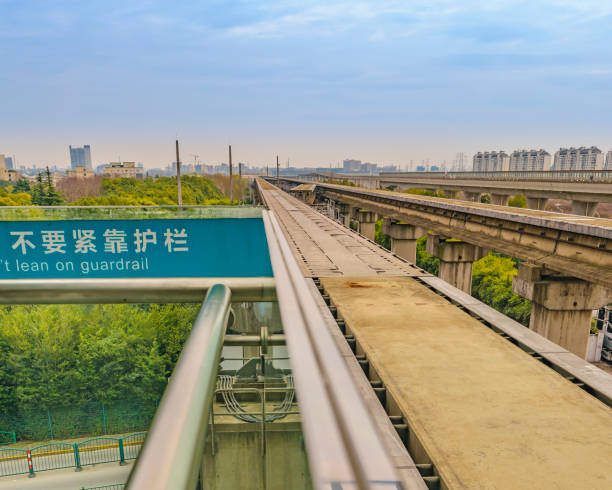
<point>224,247</point>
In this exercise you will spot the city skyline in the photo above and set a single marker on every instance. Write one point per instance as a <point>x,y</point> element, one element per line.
<point>313,82</point>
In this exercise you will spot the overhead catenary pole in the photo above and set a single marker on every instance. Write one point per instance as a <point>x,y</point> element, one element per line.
<point>178,176</point>
<point>231,193</point>
<point>277,167</point>
<point>240,181</point>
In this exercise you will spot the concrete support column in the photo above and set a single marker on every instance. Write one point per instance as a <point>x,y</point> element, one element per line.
<point>499,199</point>
<point>584,208</point>
<point>403,238</point>
<point>538,203</point>
<point>456,260</point>
<point>562,307</point>
<point>472,196</point>
<point>367,223</point>
<point>348,212</point>
<point>452,194</point>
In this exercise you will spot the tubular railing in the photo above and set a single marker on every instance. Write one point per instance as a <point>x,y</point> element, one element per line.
<point>172,452</point>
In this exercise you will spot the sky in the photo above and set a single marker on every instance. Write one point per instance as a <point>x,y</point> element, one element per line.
<point>313,81</point>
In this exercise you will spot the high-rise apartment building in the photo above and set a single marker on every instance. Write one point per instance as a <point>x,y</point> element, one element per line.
<point>608,165</point>
<point>80,156</point>
<point>9,163</point>
<point>494,161</point>
<point>530,160</point>
<point>350,165</point>
<point>579,159</point>
<point>2,161</point>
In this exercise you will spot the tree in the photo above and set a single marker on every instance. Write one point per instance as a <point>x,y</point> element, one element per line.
<point>22,185</point>
<point>52,197</point>
<point>38,191</point>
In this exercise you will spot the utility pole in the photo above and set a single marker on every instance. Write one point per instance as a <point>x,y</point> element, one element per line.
<point>240,181</point>
<point>231,175</point>
<point>178,176</point>
<point>277,168</point>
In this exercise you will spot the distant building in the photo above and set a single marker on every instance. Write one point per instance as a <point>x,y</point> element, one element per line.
<point>80,156</point>
<point>494,161</point>
<point>530,160</point>
<point>608,160</point>
<point>9,163</point>
<point>349,165</point>
<point>127,170</point>
<point>80,172</point>
<point>368,167</point>
<point>2,161</point>
<point>579,159</point>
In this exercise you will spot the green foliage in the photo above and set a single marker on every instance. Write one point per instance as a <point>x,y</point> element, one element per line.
<point>22,185</point>
<point>162,191</point>
<point>485,198</point>
<point>518,201</point>
<point>44,192</point>
<point>339,182</point>
<point>492,284</point>
<point>380,237</point>
<point>425,261</point>
<point>426,192</point>
<point>69,354</point>
<point>18,199</point>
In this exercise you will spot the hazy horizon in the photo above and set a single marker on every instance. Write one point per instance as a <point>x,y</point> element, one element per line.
<point>314,82</point>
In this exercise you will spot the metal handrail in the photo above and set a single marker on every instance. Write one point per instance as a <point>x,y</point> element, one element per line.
<point>172,452</point>
<point>134,290</point>
<point>341,440</point>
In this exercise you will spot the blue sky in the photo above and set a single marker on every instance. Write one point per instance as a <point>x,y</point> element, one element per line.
<point>383,81</point>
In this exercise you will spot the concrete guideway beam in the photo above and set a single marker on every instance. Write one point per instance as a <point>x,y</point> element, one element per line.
<point>456,260</point>
<point>404,238</point>
<point>562,307</point>
<point>563,243</point>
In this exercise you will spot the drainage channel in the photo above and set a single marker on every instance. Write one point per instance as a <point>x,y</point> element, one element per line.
<point>425,467</point>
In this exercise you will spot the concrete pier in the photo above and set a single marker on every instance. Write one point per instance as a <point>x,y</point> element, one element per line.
<point>456,260</point>
<point>367,223</point>
<point>404,238</point>
<point>562,306</point>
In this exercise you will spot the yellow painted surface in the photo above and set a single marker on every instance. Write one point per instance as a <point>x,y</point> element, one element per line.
<point>488,415</point>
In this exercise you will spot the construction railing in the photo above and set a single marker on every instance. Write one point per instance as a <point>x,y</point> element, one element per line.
<point>58,455</point>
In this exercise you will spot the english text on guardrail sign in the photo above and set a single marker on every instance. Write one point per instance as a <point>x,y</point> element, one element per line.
<point>224,247</point>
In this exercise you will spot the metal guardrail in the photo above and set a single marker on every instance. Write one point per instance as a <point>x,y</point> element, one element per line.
<point>342,443</point>
<point>58,455</point>
<point>150,290</point>
<point>172,453</point>
<point>581,176</point>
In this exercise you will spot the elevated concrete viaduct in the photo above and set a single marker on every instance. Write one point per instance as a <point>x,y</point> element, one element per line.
<point>584,193</point>
<point>569,257</point>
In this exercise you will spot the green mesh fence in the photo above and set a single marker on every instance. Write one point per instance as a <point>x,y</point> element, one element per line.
<point>7,437</point>
<point>89,419</point>
<point>117,486</point>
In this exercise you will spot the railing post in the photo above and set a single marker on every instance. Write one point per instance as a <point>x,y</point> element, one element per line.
<point>14,438</point>
<point>77,459</point>
<point>121,453</point>
<point>50,424</point>
<point>104,419</point>
<point>30,467</point>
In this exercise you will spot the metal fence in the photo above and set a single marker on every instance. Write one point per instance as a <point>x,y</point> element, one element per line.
<point>57,455</point>
<point>7,437</point>
<point>93,418</point>
<point>116,486</point>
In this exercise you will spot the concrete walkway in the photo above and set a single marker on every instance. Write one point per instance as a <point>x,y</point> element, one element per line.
<point>68,479</point>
